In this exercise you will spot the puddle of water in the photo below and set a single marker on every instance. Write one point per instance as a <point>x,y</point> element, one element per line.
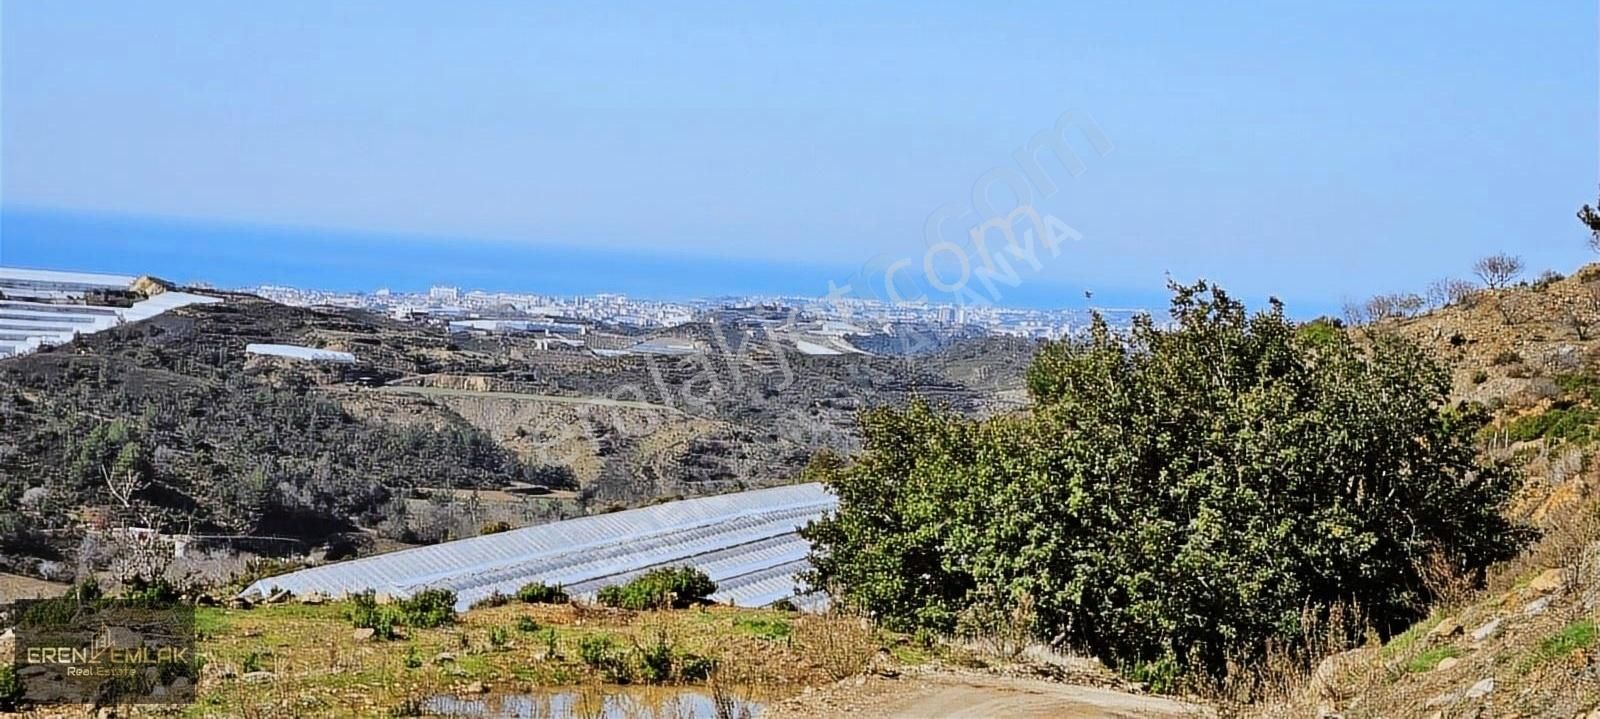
<point>609,702</point>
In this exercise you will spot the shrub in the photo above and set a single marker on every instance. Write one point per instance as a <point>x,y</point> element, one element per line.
<point>600,653</point>
<point>695,668</point>
<point>364,613</point>
<point>149,594</point>
<point>541,593</point>
<point>494,528</point>
<point>493,600</point>
<point>1480,376</point>
<point>499,637</point>
<point>660,589</point>
<point>11,689</point>
<point>655,659</point>
<point>1180,495</point>
<point>428,608</point>
<point>527,624</point>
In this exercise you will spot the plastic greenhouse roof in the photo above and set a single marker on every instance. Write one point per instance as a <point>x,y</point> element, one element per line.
<point>746,542</point>
<point>310,354</point>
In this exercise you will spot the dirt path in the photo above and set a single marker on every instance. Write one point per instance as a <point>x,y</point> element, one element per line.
<point>15,586</point>
<point>975,696</point>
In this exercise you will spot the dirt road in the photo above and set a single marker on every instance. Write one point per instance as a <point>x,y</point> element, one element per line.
<point>975,696</point>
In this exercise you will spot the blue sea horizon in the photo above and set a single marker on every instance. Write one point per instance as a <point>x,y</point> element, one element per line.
<point>240,255</point>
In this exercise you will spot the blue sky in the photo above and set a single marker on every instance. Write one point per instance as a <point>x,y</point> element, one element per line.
<point>1313,152</point>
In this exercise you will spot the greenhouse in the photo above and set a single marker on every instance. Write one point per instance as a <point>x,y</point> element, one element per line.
<point>746,542</point>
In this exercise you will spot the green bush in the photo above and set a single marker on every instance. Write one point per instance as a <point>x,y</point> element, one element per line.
<point>364,613</point>
<point>600,653</point>
<point>655,660</point>
<point>499,637</point>
<point>695,668</point>
<point>493,600</point>
<point>527,624</point>
<point>1480,376</point>
<point>541,593</point>
<point>149,594</point>
<point>428,608</point>
<point>1180,495</point>
<point>11,689</point>
<point>668,587</point>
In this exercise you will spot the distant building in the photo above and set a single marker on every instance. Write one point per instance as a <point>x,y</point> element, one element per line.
<point>440,293</point>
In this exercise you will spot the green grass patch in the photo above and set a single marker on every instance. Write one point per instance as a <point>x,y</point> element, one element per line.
<point>1574,424</point>
<point>1400,643</point>
<point>210,622</point>
<point>1573,637</point>
<point>1428,660</point>
<point>765,628</point>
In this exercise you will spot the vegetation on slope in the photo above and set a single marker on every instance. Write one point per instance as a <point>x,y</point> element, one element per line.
<point>1178,498</point>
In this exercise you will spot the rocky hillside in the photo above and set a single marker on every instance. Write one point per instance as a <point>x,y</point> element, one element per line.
<point>1526,644</point>
<point>224,442</point>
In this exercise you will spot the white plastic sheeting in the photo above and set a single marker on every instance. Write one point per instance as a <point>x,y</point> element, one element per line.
<point>52,281</point>
<point>28,321</point>
<point>309,354</point>
<point>746,543</point>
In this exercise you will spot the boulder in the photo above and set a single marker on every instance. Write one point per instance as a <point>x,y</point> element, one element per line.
<point>1446,628</point>
<point>1548,581</point>
<point>364,634</point>
<point>1446,664</point>
<point>257,677</point>
<point>1481,689</point>
<point>1489,629</point>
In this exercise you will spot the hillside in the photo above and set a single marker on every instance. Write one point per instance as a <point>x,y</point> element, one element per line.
<point>406,443</point>
<point>1526,643</point>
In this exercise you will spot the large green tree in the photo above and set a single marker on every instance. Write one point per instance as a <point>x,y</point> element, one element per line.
<point>1180,494</point>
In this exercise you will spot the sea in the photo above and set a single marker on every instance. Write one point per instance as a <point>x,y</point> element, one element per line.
<point>235,255</point>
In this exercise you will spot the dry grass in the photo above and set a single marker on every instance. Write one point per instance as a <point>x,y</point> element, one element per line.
<point>319,669</point>
<point>841,644</point>
<point>1293,679</point>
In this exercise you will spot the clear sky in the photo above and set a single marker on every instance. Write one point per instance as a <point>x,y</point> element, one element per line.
<point>1317,152</point>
